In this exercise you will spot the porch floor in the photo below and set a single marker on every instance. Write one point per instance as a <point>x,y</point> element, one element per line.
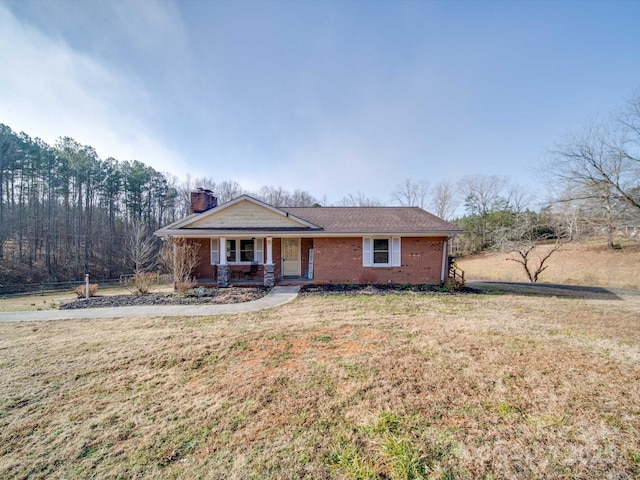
<point>249,282</point>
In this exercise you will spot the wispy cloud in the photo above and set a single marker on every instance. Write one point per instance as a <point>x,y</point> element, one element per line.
<point>49,89</point>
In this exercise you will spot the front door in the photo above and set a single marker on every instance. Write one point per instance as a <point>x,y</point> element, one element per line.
<point>291,257</point>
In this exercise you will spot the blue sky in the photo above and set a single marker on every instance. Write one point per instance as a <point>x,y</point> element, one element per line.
<point>331,97</point>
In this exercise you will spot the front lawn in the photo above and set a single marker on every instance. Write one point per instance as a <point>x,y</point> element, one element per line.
<point>350,386</point>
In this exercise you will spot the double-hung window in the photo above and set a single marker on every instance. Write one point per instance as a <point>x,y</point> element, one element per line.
<point>246,250</point>
<point>381,252</point>
<point>232,250</point>
<point>238,250</point>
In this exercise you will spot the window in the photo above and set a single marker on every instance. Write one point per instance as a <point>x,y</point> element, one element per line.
<point>215,253</point>
<point>247,250</point>
<point>239,250</point>
<point>381,252</point>
<point>231,251</point>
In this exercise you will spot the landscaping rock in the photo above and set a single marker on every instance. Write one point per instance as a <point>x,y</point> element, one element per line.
<point>198,296</point>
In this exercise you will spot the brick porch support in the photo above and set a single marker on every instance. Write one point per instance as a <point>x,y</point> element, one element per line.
<point>223,275</point>
<point>269,266</point>
<point>269,275</point>
<point>224,271</point>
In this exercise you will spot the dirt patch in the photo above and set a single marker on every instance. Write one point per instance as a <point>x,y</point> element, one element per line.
<point>198,297</point>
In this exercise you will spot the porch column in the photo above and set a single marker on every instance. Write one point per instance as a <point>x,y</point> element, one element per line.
<point>269,250</point>
<point>223,251</point>
<point>269,267</point>
<point>223,268</point>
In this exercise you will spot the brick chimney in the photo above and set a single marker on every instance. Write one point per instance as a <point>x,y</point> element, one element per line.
<point>203,200</point>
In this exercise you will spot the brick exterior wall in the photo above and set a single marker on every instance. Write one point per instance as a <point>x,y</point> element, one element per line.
<point>339,260</point>
<point>306,244</point>
<point>204,268</point>
<point>277,256</point>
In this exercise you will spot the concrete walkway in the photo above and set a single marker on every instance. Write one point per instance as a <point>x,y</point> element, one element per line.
<point>276,297</point>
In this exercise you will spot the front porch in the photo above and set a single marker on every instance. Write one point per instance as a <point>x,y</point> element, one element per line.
<point>251,261</point>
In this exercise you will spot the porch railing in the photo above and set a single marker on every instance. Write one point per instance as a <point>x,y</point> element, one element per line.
<point>456,274</point>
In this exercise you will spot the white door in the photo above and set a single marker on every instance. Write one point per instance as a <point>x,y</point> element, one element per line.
<point>291,257</point>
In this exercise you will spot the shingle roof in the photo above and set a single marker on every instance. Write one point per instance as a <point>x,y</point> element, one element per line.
<point>373,219</point>
<point>313,221</point>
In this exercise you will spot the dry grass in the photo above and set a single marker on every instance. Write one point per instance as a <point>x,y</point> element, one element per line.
<point>51,301</point>
<point>396,386</point>
<point>577,264</point>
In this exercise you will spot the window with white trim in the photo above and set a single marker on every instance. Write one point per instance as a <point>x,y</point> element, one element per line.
<point>215,251</point>
<point>381,251</point>
<point>239,250</point>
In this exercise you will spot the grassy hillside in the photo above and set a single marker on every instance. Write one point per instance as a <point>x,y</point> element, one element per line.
<point>577,263</point>
<point>394,386</point>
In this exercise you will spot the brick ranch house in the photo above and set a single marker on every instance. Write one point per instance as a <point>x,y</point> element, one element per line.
<point>248,241</point>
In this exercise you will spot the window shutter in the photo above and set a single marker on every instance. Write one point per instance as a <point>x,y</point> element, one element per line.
<point>395,252</point>
<point>258,255</point>
<point>215,252</point>
<point>367,252</point>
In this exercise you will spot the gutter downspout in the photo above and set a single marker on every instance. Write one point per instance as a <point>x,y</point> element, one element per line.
<point>443,276</point>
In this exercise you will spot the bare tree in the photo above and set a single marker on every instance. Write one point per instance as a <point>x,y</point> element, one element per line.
<point>443,201</point>
<point>140,248</point>
<point>302,198</point>
<point>276,196</point>
<point>519,197</point>
<point>228,190</point>
<point>571,212</point>
<point>279,197</point>
<point>604,157</point>
<point>358,200</point>
<point>527,242</point>
<point>594,160</point>
<point>482,193</point>
<point>593,171</point>
<point>629,118</point>
<point>411,193</point>
<point>487,209</point>
<point>180,258</point>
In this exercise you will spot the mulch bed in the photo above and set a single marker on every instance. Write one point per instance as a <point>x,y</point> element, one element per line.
<point>229,295</point>
<point>381,289</point>
<point>199,296</point>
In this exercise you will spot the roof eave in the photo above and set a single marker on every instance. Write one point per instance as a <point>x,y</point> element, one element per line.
<point>196,233</point>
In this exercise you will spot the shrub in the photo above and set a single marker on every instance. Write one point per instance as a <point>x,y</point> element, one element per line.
<point>454,284</point>
<point>142,282</point>
<point>80,290</point>
<point>183,286</point>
